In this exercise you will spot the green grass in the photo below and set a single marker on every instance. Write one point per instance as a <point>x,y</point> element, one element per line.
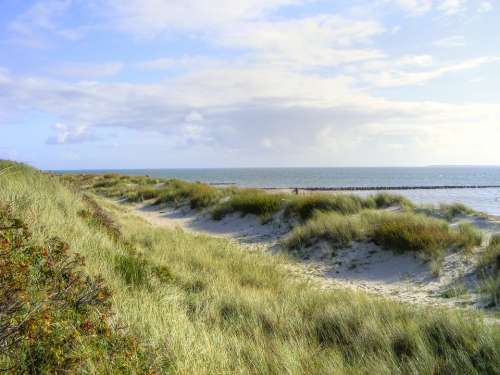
<point>489,271</point>
<point>197,195</point>
<point>338,230</point>
<point>303,207</point>
<point>414,232</point>
<point>250,201</point>
<point>454,291</point>
<point>54,318</point>
<point>447,211</point>
<point>212,307</point>
<point>398,231</point>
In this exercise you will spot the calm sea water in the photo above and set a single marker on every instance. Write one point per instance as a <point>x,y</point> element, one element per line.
<point>487,200</point>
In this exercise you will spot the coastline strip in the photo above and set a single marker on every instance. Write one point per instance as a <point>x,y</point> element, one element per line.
<point>368,188</point>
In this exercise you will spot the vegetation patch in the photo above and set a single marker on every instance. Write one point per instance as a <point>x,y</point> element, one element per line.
<point>413,232</point>
<point>53,318</point>
<point>269,323</point>
<point>304,207</point>
<point>250,201</point>
<point>398,231</point>
<point>338,230</point>
<point>489,271</point>
<point>197,195</point>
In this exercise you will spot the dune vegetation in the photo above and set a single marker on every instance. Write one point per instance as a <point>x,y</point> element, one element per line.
<point>489,271</point>
<point>397,231</point>
<point>338,219</point>
<point>198,304</point>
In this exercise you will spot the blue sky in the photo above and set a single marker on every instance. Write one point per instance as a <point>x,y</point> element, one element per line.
<point>231,83</point>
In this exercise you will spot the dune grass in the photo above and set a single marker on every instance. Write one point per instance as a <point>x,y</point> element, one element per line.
<point>338,230</point>
<point>303,207</point>
<point>197,195</point>
<point>397,231</point>
<point>489,271</point>
<point>448,211</point>
<point>250,201</point>
<point>208,306</point>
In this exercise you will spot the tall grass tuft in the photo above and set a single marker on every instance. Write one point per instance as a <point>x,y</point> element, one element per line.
<point>197,195</point>
<point>398,231</point>
<point>337,229</point>
<point>489,271</point>
<point>304,207</point>
<point>250,201</point>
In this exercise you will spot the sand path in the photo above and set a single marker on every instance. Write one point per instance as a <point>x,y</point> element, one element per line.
<point>364,266</point>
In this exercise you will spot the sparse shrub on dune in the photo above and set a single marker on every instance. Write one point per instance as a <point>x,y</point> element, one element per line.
<point>53,318</point>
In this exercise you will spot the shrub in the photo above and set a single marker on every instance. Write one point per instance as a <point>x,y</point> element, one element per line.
<point>53,318</point>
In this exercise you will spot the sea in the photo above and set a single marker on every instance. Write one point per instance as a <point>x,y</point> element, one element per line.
<point>485,200</point>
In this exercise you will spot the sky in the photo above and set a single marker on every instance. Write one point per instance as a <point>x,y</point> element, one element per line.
<point>95,84</point>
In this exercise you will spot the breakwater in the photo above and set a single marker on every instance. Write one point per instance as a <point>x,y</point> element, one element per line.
<point>375,188</point>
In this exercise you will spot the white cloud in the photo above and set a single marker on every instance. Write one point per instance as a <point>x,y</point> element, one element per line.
<point>415,6</point>
<point>452,6</point>
<point>194,116</point>
<point>153,17</point>
<point>313,41</point>
<point>420,7</point>
<point>186,62</point>
<point>235,111</point>
<point>485,7</point>
<point>415,60</point>
<point>393,77</point>
<point>451,41</point>
<point>70,135</point>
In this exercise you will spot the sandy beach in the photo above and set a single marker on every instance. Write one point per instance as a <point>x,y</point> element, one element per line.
<point>364,266</point>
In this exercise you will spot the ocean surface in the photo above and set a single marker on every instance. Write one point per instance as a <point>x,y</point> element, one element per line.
<point>487,200</point>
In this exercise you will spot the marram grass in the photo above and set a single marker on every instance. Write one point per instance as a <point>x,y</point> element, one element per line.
<point>211,307</point>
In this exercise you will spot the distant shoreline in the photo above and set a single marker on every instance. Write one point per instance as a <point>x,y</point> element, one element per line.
<point>376,188</point>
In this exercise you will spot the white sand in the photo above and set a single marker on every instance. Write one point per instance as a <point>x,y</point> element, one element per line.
<point>364,266</point>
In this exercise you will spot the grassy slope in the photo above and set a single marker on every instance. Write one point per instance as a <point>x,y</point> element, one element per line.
<point>208,306</point>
